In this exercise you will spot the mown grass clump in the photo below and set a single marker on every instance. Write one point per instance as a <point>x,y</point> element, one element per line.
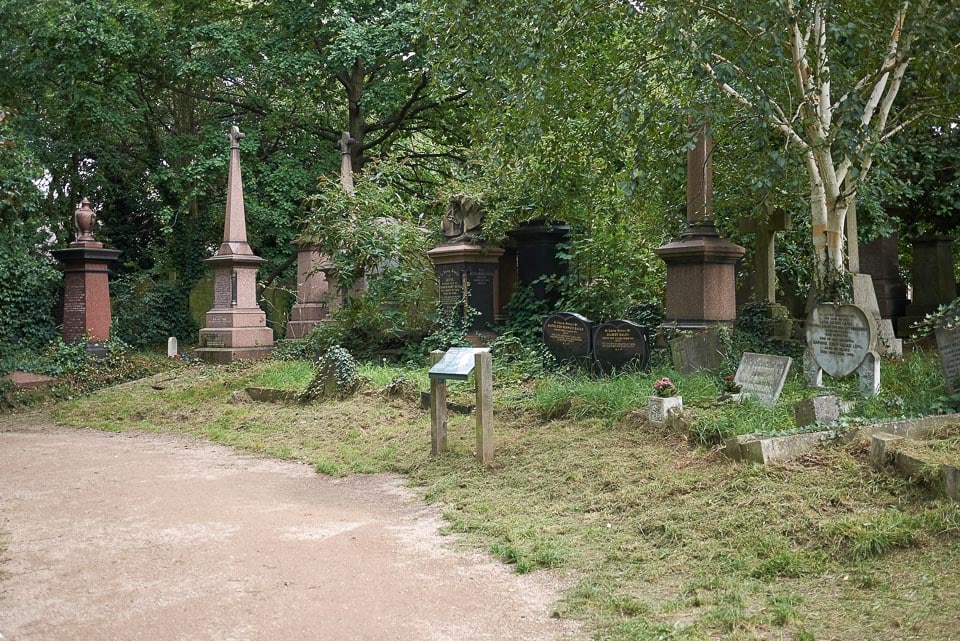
<point>661,540</point>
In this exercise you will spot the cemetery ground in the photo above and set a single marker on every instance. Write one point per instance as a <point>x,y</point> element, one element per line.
<point>658,534</point>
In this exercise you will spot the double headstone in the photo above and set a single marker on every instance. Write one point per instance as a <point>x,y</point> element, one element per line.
<point>608,347</point>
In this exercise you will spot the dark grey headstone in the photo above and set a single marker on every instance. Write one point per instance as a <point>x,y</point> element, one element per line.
<point>948,342</point>
<point>568,336</point>
<point>618,343</point>
<point>761,376</point>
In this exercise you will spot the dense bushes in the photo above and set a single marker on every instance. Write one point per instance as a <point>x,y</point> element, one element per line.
<point>147,312</point>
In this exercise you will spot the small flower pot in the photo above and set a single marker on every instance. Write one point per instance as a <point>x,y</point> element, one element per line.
<point>659,407</point>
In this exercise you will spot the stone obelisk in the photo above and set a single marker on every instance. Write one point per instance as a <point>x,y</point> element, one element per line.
<point>236,327</point>
<point>700,264</point>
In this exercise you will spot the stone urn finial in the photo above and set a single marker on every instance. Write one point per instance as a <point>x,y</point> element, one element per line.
<point>83,219</point>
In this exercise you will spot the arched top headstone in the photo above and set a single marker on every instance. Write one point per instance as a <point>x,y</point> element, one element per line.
<point>619,342</point>
<point>568,336</point>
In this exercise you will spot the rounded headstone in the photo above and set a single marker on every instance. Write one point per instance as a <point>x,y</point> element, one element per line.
<point>568,336</point>
<point>618,343</point>
<point>840,336</point>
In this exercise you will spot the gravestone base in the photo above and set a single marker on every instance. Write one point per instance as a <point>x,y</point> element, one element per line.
<point>86,298</point>
<point>227,355</point>
<point>304,317</point>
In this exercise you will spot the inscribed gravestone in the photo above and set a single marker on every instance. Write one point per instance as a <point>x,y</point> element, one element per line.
<point>948,342</point>
<point>618,342</point>
<point>761,376</point>
<point>568,336</point>
<point>840,337</point>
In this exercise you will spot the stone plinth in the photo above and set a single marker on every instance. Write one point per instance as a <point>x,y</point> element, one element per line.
<point>932,279</point>
<point>86,298</point>
<point>700,278</point>
<point>313,290</point>
<point>235,327</point>
<point>537,243</point>
<point>467,272</point>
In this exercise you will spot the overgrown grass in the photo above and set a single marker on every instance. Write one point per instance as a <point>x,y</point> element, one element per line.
<point>661,541</point>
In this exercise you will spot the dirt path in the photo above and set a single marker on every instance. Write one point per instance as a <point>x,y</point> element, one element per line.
<point>136,536</point>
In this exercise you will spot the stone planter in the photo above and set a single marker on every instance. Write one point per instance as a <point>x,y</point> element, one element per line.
<point>658,408</point>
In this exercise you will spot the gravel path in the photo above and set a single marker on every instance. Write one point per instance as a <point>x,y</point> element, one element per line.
<point>139,536</point>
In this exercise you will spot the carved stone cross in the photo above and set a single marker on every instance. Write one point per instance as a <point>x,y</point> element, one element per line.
<point>765,228</point>
<point>345,141</point>
<point>235,135</point>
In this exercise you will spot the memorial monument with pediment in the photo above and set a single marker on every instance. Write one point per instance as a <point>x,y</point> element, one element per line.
<point>236,327</point>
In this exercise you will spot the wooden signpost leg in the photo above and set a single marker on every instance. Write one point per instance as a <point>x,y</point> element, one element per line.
<point>438,409</point>
<point>483,373</point>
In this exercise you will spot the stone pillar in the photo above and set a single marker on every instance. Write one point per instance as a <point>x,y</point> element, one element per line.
<point>932,279</point>
<point>313,292</point>
<point>235,327</point>
<point>700,265</point>
<point>86,299</point>
<point>537,243</point>
<point>881,260</point>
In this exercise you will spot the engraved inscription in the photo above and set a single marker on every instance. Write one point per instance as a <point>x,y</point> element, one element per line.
<point>222,289</point>
<point>948,342</point>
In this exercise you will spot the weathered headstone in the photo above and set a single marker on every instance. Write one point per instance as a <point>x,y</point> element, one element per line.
<point>865,296</point>
<point>701,351</point>
<point>839,341</point>
<point>880,259</point>
<point>948,342</point>
<point>172,347</point>
<point>932,278</point>
<point>568,336</point>
<point>619,342</point>
<point>761,376</point>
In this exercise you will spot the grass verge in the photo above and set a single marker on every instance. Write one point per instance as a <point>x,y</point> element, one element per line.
<point>661,541</point>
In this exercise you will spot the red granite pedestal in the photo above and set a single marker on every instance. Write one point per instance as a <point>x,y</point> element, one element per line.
<point>313,291</point>
<point>700,278</point>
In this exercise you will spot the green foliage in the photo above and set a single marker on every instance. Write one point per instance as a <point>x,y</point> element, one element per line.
<point>28,290</point>
<point>946,316</point>
<point>149,311</point>
<point>336,377</point>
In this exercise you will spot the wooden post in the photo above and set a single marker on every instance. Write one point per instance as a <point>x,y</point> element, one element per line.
<point>483,376</point>
<point>438,409</point>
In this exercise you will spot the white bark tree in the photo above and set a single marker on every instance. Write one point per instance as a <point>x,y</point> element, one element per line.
<point>826,75</point>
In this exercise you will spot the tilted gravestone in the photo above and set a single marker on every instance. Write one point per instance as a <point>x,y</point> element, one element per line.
<point>568,336</point>
<point>839,341</point>
<point>761,376</point>
<point>948,342</point>
<point>618,343</point>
